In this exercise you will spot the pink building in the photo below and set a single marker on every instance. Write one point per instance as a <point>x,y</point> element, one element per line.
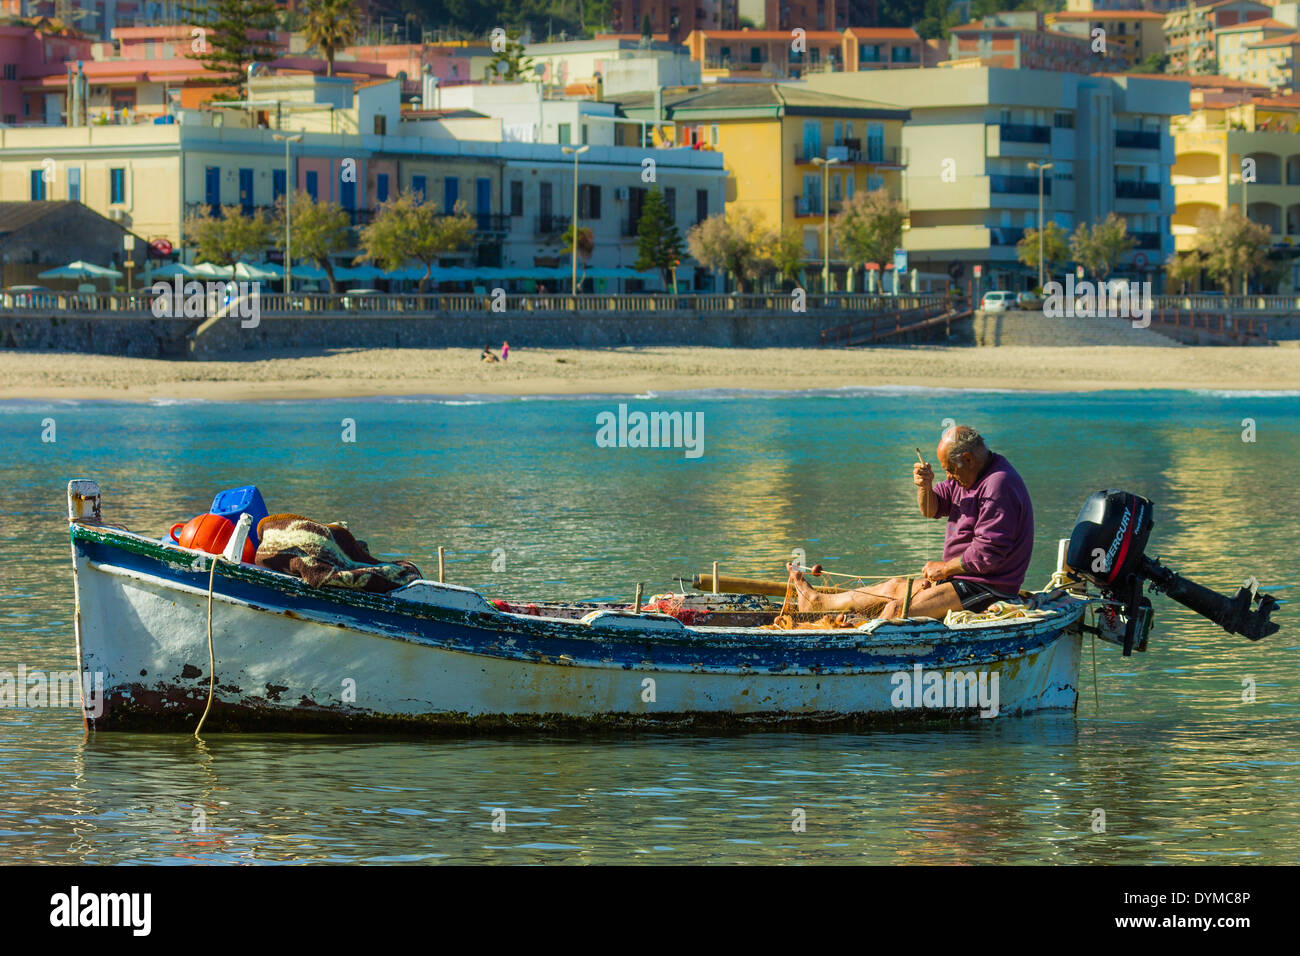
<point>26,55</point>
<point>446,63</point>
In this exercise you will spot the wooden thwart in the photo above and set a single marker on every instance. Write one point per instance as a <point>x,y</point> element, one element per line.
<point>704,581</point>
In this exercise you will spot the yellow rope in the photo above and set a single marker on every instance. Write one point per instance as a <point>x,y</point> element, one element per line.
<point>212,664</point>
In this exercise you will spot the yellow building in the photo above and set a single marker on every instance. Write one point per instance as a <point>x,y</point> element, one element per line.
<point>1210,145</point>
<point>1248,51</point>
<point>771,136</point>
<point>1134,34</point>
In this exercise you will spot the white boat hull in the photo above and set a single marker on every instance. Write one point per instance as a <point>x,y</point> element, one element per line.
<point>286,659</point>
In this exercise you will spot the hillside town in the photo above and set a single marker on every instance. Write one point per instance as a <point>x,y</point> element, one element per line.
<point>726,146</point>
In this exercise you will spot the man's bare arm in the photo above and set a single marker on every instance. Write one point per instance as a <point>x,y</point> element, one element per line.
<point>926,500</point>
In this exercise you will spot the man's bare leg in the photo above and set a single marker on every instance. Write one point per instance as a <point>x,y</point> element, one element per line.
<point>935,601</point>
<point>858,599</point>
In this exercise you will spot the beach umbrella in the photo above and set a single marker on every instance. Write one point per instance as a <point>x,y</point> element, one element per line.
<point>170,271</point>
<point>80,270</point>
<point>260,272</point>
<point>210,270</point>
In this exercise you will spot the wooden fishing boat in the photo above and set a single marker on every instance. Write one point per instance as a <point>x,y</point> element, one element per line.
<point>151,615</point>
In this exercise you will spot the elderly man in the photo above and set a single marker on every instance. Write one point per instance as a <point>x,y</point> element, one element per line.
<point>987,545</point>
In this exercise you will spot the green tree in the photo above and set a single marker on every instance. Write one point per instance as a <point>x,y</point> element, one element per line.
<point>1098,248</point>
<point>735,242</point>
<point>406,229</point>
<point>658,242</point>
<point>512,64</point>
<point>228,36</point>
<point>586,249</point>
<point>787,255</point>
<point>320,230</point>
<point>1232,247</point>
<point>1182,269</point>
<point>329,26</point>
<point>229,237</point>
<point>1056,247</point>
<point>647,31</point>
<point>870,227</point>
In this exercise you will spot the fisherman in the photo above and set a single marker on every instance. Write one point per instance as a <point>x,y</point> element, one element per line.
<point>987,545</point>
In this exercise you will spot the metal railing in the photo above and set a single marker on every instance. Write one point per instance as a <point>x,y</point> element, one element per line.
<point>1132,189</point>
<point>1136,139</point>
<point>311,305</point>
<point>1018,185</point>
<point>1024,133</point>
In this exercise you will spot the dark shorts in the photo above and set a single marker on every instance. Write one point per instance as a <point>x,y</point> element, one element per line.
<point>977,597</point>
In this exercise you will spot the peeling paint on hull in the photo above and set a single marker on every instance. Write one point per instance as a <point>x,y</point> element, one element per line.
<point>440,660</point>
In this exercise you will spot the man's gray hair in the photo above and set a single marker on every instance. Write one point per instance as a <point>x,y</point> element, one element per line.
<point>963,439</point>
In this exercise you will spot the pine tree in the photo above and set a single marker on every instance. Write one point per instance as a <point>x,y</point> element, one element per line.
<point>658,242</point>
<point>228,36</point>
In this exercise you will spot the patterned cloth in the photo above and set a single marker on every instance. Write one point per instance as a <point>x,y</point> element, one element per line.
<point>326,555</point>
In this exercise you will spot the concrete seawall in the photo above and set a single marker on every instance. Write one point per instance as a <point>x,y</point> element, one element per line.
<point>226,338</point>
<point>136,337</point>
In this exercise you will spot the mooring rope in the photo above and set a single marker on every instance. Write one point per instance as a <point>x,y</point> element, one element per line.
<point>212,663</point>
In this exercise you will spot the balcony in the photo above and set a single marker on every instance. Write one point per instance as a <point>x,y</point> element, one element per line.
<point>812,206</point>
<point>850,151</point>
<point>1019,185</point>
<point>1024,133</point>
<point>1136,139</point>
<point>1130,189</point>
<point>552,225</point>
<point>493,222</point>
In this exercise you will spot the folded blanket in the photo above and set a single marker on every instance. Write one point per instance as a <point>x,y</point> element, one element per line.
<point>326,555</point>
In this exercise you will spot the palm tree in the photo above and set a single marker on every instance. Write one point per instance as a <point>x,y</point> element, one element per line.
<point>330,25</point>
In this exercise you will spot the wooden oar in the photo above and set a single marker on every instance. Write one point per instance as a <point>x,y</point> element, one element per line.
<point>734,585</point>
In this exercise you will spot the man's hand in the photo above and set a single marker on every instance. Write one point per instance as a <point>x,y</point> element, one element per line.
<point>922,475</point>
<point>937,571</point>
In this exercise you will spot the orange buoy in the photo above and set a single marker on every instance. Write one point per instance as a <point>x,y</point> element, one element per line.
<point>208,532</point>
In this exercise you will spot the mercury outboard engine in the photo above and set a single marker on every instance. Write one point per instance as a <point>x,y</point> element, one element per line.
<point>1108,548</point>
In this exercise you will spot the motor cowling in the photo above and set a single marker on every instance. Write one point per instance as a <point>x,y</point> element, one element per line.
<point>1110,537</point>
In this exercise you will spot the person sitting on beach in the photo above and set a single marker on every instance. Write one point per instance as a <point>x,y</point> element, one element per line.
<point>488,355</point>
<point>987,544</point>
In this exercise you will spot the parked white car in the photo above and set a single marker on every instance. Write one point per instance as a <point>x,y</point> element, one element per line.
<point>998,301</point>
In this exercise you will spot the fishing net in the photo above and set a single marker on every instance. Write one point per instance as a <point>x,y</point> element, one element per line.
<point>791,617</point>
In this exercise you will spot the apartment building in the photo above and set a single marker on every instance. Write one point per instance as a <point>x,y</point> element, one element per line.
<point>973,134</point>
<point>774,140</point>
<point>674,18</point>
<point>1134,34</point>
<point>817,14</point>
<point>1190,30</point>
<point>772,54</point>
<point>1210,145</point>
<point>1019,40</point>
<point>150,177</point>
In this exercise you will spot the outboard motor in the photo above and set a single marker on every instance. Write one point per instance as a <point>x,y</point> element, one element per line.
<point>1108,548</point>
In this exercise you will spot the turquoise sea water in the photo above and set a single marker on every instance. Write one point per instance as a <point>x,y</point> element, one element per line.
<point>1184,770</point>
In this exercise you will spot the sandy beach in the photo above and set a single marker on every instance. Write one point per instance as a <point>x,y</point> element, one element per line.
<point>346,373</point>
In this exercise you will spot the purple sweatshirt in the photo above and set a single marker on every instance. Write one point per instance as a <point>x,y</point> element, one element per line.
<point>991,526</point>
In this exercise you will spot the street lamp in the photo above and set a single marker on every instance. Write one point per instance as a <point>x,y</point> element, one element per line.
<point>826,165</point>
<point>576,151</point>
<point>1042,168</point>
<point>288,210</point>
